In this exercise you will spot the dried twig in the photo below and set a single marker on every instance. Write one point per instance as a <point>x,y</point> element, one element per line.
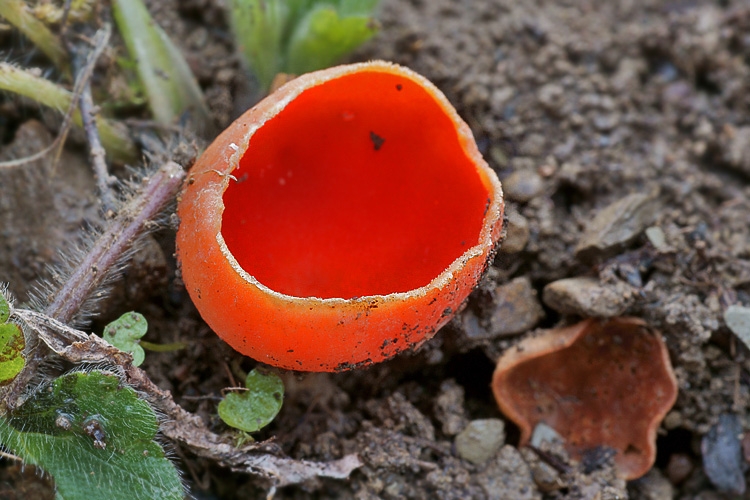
<point>104,181</point>
<point>180,425</point>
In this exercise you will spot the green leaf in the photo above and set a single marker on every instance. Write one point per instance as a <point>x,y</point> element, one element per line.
<point>4,308</point>
<point>255,408</point>
<point>324,36</point>
<point>297,36</point>
<point>125,332</point>
<point>12,343</point>
<point>96,439</point>
<point>170,86</point>
<point>258,27</point>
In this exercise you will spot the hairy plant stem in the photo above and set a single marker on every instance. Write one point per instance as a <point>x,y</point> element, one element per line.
<point>157,190</point>
<point>106,252</point>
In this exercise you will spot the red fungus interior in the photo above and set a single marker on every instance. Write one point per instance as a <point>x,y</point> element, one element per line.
<point>358,187</point>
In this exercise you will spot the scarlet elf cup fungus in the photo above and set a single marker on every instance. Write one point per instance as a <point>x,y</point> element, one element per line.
<point>597,383</point>
<point>341,220</point>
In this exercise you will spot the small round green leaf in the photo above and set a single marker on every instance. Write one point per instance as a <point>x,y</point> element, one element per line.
<point>12,343</point>
<point>255,408</point>
<point>125,332</point>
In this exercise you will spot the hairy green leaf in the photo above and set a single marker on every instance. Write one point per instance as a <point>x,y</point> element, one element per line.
<point>11,351</point>
<point>125,332</point>
<point>95,437</point>
<point>167,79</point>
<point>253,409</point>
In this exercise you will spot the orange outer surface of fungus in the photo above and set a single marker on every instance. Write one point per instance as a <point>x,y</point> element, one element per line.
<point>343,219</point>
<point>597,383</point>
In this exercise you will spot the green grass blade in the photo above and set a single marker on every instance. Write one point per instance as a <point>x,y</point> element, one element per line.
<point>170,86</point>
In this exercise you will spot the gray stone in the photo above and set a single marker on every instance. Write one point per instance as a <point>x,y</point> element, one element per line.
<point>617,224</point>
<point>587,297</point>
<point>522,186</point>
<point>722,455</point>
<point>480,440</point>
<point>653,486</point>
<point>737,319</point>
<point>517,308</point>
<point>542,434</point>
<point>656,236</point>
<point>517,234</point>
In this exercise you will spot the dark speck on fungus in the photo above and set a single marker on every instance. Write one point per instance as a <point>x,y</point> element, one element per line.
<point>377,141</point>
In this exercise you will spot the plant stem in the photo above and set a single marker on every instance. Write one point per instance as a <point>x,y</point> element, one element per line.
<point>114,138</point>
<point>17,14</point>
<point>83,65</point>
<point>174,346</point>
<point>110,246</point>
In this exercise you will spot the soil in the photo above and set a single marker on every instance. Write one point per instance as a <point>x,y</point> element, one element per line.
<point>621,132</point>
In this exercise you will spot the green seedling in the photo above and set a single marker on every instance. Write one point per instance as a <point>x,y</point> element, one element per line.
<point>252,409</point>
<point>299,36</point>
<point>125,333</point>
<point>95,437</point>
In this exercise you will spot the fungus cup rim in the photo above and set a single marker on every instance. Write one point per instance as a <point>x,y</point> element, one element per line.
<point>492,220</point>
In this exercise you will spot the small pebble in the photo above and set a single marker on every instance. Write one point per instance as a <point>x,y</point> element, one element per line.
<point>656,236</point>
<point>517,235</point>
<point>617,224</point>
<point>653,486</point>
<point>737,149</point>
<point>480,440</point>
<point>605,122</point>
<point>517,308</point>
<point>543,433</point>
<point>737,319</point>
<point>469,323</point>
<point>449,407</point>
<point>722,455</point>
<point>586,297</point>
<point>522,186</point>
<point>679,468</point>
